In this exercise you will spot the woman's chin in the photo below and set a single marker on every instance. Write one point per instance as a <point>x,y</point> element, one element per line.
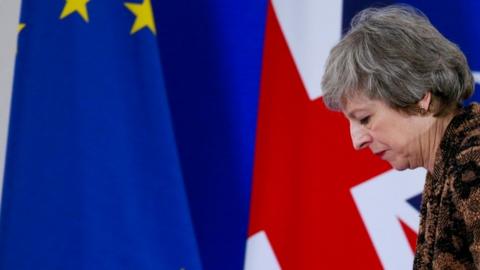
<point>400,166</point>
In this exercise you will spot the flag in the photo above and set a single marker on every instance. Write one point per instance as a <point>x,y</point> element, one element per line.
<point>211,54</point>
<point>92,177</point>
<point>317,203</point>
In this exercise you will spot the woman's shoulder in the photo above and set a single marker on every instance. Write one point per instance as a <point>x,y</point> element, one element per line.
<point>465,165</point>
<point>466,134</point>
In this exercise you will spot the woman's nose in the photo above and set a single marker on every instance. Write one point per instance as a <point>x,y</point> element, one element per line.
<point>360,137</point>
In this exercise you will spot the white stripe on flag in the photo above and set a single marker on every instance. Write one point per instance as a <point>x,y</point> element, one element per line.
<point>382,202</point>
<point>311,28</point>
<point>9,18</point>
<point>476,76</point>
<point>260,254</point>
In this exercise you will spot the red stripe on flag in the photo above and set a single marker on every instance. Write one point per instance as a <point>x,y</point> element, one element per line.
<point>304,169</point>
<point>410,234</point>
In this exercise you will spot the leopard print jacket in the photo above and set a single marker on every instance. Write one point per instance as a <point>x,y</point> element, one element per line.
<point>449,234</point>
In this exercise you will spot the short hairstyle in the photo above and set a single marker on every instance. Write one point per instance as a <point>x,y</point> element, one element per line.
<point>394,54</point>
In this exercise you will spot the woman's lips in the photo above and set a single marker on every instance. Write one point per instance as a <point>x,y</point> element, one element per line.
<point>380,154</point>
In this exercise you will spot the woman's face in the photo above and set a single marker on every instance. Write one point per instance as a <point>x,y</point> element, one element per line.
<point>391,135</point>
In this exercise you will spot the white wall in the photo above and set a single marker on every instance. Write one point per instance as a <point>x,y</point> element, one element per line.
<point>9,16</point>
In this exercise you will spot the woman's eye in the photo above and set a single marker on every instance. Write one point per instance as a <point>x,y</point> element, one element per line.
<point>365,120</point>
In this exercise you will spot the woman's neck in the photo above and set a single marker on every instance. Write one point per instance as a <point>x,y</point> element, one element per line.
<point>432,139</point>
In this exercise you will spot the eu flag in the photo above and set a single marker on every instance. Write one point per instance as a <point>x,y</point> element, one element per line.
<point>92,178</point>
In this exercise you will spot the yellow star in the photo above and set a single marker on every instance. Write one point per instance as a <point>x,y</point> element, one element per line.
<point>79,6</point>
<point>21,26</point>
<point>144,15</point>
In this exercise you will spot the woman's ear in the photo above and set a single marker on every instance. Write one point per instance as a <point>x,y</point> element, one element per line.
<point>425,102</point>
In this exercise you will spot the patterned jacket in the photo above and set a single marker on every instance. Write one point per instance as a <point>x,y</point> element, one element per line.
<point>449,234</point>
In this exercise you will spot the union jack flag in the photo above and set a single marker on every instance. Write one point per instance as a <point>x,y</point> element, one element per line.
<point>316,202</point>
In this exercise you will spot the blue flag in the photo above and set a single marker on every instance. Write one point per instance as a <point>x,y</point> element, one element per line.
<point>92,178</point>
<point>212,57</point>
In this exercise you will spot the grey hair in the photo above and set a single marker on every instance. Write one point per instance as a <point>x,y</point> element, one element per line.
<point>394,54</point>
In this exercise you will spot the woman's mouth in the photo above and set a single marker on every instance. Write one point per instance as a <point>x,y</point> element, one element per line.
<point>380,154</point>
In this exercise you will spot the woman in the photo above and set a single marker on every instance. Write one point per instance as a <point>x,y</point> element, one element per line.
<point>401,85</point>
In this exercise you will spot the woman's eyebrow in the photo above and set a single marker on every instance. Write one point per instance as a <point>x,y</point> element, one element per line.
<point>351,114</point>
